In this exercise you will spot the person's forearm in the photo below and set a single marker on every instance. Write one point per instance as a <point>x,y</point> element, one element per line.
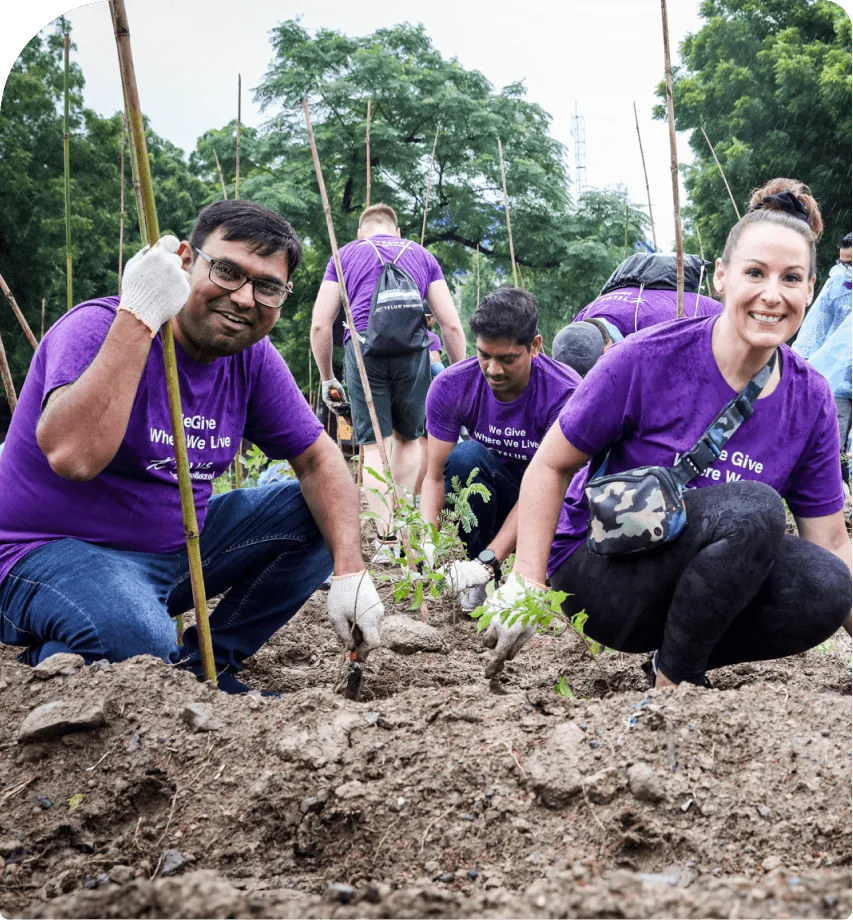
<point>539,504</point>
<point>845,554</point>
<point>432,500</point>
<point>332,498</point>
<point>454,343</point>
<point>322,346</point>
<point>82,428</point>
<point>505,539</point>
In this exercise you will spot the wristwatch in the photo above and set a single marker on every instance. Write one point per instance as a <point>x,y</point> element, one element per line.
<point>490,560</point>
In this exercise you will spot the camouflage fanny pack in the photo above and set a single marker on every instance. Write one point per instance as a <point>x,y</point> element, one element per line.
<point>636,510</point>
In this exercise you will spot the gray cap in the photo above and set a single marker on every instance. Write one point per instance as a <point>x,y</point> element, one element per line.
<point>578,345</point>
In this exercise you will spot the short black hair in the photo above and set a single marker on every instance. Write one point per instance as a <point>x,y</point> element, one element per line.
<point>267,232</point>
<point>845,241</point>
<point>508,313</point>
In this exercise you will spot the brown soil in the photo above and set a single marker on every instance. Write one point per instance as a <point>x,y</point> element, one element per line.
<point>436,795</point>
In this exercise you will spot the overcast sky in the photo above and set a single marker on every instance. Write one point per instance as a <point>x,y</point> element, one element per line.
<point>602,56</point>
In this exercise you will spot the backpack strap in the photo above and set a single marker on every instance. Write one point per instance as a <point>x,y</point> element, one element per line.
<point>378,254</point>
<point>709,447</point>
<point>409,243</point>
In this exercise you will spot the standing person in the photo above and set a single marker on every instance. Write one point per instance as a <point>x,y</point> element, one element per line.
<point>508,396</point>
<point>92,552</point>
<point>398,383</point>
<point>640,293</point>
<point>436,366</point>
<point>732,586</point>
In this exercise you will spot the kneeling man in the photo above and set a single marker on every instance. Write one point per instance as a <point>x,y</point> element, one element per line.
<point>508,396</point>
<point>92,557</point>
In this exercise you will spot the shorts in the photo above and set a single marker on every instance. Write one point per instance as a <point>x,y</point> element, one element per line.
<point>399,386</point>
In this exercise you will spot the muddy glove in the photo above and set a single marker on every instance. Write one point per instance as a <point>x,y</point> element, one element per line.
<point>154,286</point>
<point>333,395</point>
<point>356,612</point>
<point>504,603</point>
<point>463,575</point>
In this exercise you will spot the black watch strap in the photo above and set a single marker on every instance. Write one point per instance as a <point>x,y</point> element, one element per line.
<point>488,558</point>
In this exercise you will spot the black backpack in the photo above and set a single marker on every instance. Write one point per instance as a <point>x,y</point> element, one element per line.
<point>396,323</point>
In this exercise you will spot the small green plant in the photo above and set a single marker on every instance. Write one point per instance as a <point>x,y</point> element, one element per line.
<point>577,622</point>
<point>253,462</point>
<point>563,689</point>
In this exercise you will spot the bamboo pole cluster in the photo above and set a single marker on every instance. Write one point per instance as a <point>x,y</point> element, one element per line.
<point>151,230</point>
<point>646,175</point>
<point>515,271</point>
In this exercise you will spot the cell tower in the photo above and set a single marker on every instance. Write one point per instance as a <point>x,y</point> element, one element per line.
<point>579,134</point>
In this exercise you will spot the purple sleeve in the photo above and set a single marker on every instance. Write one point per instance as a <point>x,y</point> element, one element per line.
<point>331,273</point>
<point>434,272</point>
<point>72,344</point>
<point>442,419</point>
<point>814,489</point>
<point>434,341</point>
<point>278,418</point>
<point>557,408</point>
<point>597,414</point>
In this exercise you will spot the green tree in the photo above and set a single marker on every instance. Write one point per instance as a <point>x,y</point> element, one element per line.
<point>770,81</point>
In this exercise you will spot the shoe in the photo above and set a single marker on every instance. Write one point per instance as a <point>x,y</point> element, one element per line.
<point>387,552</point>
<point>228,683</point>
<point>473,598</point>
<point>650,669</point>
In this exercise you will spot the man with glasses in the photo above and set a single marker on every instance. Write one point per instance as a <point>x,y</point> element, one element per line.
<point>92,557</point>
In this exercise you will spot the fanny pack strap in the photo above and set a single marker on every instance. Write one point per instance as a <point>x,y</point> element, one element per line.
<point>709,447</point>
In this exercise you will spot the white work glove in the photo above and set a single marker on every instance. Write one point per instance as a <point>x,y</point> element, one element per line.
<point>506,640</point>
<point>154,286</point>
<point>334,395</point>
<point>428,548</point>
<point>356,612</point>
<point>463,575</point>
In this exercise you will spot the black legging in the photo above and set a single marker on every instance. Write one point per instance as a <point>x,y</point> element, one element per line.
<point>733,587</point>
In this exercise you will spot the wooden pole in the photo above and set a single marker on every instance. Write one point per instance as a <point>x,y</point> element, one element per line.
<point>121,209</point>
<point>367,142</point>
<point>429,185</point>
<point>506,208</point>
<point>646,174</point>
<point>670,111</point>
<point>137,134</point>
<point>67,158</point>
<point>6,374</point>
<point>17,311</point>
<point>719,166</point>
<point>239,126</point>
<point>221,177</point>
<point>42,318</point>
<point>356,345</point>
<point>478,274</point>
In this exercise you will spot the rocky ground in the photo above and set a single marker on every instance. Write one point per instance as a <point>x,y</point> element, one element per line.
<point>436,795</point>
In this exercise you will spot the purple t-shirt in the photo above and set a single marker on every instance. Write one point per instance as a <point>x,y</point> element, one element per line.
<point>512,431</point>
<point>434,341</point>
<point>655,395</point>
<point>134,503</point>
<point>362,269</point>
<point>631,310</point>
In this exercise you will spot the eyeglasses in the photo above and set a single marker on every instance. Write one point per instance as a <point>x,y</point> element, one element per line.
<point>229,277</point>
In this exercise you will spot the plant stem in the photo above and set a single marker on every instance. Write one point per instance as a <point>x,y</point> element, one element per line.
<point>121,207</point>
<point>239,125</point>
<point>670,111</point>
<point>6,374</point>
<point>221,177</point>
<point>646,174</point>
<point>67,157</point>
<point>137,128</point>
<point>719,166</point>
<point>506,208</point>
<point>367,143</point>
<point>17,311</point>
<point>429,185</point>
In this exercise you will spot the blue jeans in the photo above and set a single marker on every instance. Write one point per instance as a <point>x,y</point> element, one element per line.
<point>72,596</point>
<point>503,484</point>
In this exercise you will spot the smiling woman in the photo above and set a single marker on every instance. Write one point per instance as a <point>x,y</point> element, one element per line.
<point>728,585</point>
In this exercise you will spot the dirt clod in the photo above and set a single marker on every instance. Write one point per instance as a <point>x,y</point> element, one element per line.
<point>59,665</point>
<point>406,636</point>
<point>60,717</point>
<point>645,784</point>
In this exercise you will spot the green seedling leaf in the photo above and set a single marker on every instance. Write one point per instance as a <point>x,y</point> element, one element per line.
<point>75,801</point>
<point>562,687</point>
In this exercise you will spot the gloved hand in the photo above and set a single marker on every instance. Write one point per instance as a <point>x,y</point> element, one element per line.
<point>333,395</point>
<point>428,548</point>
<point>356,612</point>
<point>154,286</point>
<point>464,575</point>
<point>506,640</point>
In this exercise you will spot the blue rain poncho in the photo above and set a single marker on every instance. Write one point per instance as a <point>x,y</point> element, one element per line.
<point>830,310</point>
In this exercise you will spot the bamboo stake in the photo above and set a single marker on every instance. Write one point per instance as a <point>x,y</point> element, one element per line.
<point>67,157</point>
<point>42,318</point>
<point>238,466</point>
<point>702,256</point>
<point>359,358</point>
<point>121,209</point>
<point>221,177</point>
<point>646,174</point>
<point>367,141</point>
<point>670,111</point>
<point>17,311</point>
<point>478,274</point>
<point>239,125</point>
<point>506,208</point>
<point>429,185</point>
<point>719,166</point>
<point>137,129</point>
<point>6,374</point>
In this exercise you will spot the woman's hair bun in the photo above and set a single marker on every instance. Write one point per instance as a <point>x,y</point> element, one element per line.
<point>799,189</point>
